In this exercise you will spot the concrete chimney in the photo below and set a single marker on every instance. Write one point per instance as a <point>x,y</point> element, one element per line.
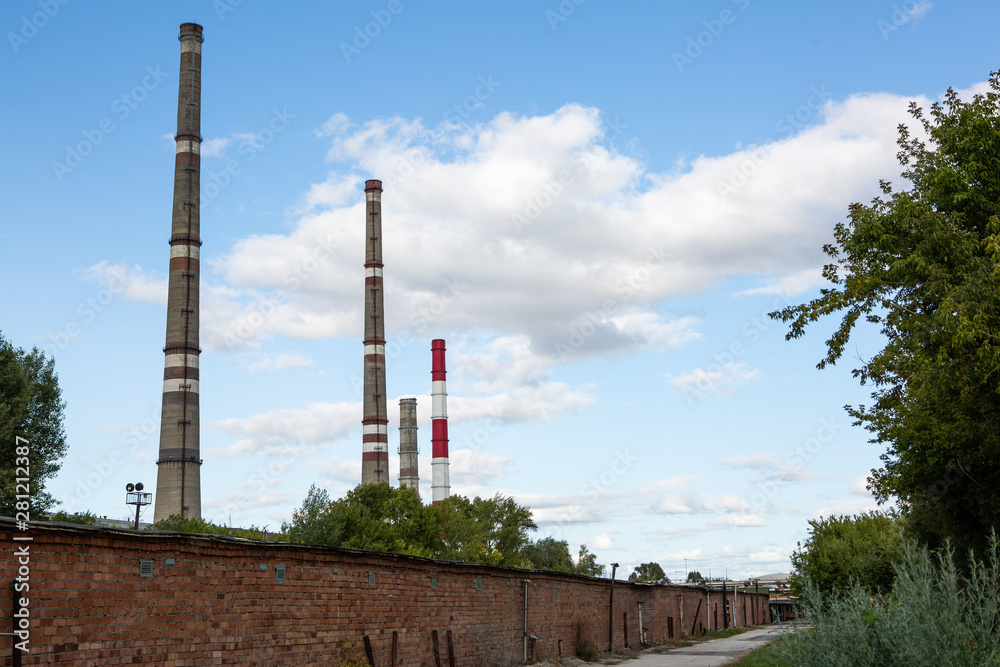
<point>375,423</point>
<point>440,479</point>
<point>408,449</point>
<point>178,473</point>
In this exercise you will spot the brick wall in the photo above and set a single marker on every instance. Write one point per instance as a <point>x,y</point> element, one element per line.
<point>218,601</point>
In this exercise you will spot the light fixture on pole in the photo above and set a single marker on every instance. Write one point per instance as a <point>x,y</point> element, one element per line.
<point>135,496</point>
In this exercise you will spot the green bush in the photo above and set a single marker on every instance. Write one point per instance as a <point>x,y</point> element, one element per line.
<point>932,617</point>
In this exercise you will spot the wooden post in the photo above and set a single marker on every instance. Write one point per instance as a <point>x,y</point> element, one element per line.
<point>670,627</point>
<point>451,651</point>
<point>625,625</point>
<point>694,624</point>
<point>368,651</point>
<point>560,649</point>
<point>395,638</point>
<point>437,649</point>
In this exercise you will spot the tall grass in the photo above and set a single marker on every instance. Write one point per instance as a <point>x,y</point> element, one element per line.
<point>935,615</point>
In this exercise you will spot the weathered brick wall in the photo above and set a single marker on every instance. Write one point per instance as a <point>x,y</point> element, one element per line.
<point>218,601</point>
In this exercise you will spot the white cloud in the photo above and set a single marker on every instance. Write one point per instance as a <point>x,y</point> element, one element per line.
<point>572,260</point>
<point>475,468</point>
<point>717,380</point>
<point>289,431</point>
<point>130,282</point>
<point>604,542</point>
<point>279,362</point>
<point>787,286</point>
<point>847,507</point>
<point>860,487</point>
<point>570,279</point>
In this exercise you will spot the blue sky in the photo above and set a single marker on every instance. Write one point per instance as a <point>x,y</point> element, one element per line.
<point>594,203</point>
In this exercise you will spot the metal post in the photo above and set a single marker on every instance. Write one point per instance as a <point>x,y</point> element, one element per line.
<point>725,607</point>
<point>611,610</point>
<point>437,648</point>
<point>525,639</point>
<point>368,651</point>
<point>451,651</point>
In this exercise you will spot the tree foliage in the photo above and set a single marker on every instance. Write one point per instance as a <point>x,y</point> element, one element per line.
<point>845,550</point>
<point>492,530</point>
<point>923,265</point>
<point>648,572</point>
<point>82,518</point>
<point>384,518</point>
<point>548,553</point>
<point>197,525</point>
<point>586,563</point>
<point>31,407</point>
<point>694,576</point>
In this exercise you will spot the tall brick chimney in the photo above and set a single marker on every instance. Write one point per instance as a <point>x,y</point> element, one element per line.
<point>178,474</point>
<point>375,423</point>
<point>408,448</point>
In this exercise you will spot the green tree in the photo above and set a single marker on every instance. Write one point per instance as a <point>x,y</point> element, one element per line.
<point>694,576</point>
<point>371,516</point>
<point>648,572</point>
<point>81,518</point>
<point>586,563</point>
<point>31,408</point>
<point>384,518</point>
<point>549,553</point>
<point>923,265</point>
<point>197,525</point>
<point>492,530</point>
<point>843,550</point>
<point>316,522</point>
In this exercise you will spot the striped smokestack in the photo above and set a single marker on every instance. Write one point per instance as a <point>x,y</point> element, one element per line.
<point>375,424</point>
<point>440,480</point>
<point>408,449</point>
<point>178,473</point>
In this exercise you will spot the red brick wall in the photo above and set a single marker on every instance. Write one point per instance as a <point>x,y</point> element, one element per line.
<point>214,605</point>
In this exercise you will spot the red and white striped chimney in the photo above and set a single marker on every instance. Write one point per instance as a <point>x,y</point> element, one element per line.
<point>440,480</point>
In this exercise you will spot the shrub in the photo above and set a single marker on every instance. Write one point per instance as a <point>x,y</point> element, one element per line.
<point>933,616</point>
